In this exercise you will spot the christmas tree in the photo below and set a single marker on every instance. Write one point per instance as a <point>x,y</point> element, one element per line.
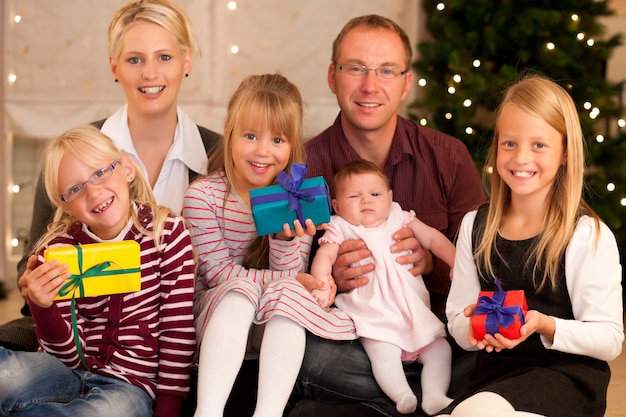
<point>478,48</point>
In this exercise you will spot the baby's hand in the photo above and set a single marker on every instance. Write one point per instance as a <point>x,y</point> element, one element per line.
<point>298,230</point>
<point>323,297</point>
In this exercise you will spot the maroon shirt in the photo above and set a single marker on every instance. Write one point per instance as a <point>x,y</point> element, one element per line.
<point>429,172</point>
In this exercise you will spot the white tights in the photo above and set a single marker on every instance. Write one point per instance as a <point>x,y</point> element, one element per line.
<point>389,374</point>
<point>487,404</point>
<point>222,351</point>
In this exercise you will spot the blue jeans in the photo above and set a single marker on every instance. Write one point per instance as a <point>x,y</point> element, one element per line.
<point>340,372</point>
<point>38,384</point>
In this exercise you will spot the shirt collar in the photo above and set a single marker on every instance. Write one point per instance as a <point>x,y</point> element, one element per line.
<point>187,146</point>
<point>400,145</point>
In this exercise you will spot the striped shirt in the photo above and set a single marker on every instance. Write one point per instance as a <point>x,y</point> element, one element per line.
<point>146,338</point>
<point>429,172</point>
<point>222,232</point>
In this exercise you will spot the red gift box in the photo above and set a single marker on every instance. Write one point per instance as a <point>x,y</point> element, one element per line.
<point>499,312</point>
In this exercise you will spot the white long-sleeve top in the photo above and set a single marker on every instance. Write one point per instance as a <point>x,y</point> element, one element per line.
<point>593,278</point>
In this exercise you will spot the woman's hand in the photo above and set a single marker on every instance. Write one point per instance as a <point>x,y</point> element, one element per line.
<point>41,284</point>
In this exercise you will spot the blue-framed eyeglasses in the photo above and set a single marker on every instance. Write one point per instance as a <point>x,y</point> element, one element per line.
<point>98,177</point>
<point>361,71</point>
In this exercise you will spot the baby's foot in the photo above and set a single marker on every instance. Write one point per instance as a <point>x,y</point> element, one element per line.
<point>432,404</point>
<point>407,403</point>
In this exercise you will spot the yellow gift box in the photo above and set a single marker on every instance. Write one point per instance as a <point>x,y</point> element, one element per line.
<point>99,268</point>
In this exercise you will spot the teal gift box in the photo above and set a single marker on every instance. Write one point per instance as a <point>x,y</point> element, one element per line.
<point>293,198</point>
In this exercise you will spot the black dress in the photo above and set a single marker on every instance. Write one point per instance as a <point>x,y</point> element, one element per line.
<point>531,377</point>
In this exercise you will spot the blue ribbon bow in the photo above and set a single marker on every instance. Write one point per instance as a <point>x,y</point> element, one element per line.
<point>497,314</point>
<point>291,185</point>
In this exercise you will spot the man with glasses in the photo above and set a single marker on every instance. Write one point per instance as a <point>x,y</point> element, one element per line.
<point>429,172</point>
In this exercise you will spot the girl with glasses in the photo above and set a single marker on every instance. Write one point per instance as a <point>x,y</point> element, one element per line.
<point>125,354</point>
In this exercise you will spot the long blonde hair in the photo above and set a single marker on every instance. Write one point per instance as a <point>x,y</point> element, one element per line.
<point>544,98</point>
<point>95,150</point>
<point>268,100</point>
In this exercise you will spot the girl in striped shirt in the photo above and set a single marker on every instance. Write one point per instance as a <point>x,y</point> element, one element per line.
<point>249,300</point>
<point>123,355</point>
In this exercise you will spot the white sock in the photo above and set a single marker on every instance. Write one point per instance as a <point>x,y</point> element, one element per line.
<point>388,371</point>
<point>282,351</point>
<point>222,350</point>
<point>436,360</point>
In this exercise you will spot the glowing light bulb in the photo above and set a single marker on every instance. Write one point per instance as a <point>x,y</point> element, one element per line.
<point>575,17</point>
<point>599,138</point>
<point>550,46</point>
<point>456,78</point>
<point>422,82</point>
<point>17,18</point>
<point>423,122</point>
<point>234,49</point>
<point>467,102</point>
<point>440,6</point>
<point>590,42</point>
<point>610,187</point>
<point>448,116</point>
<point>469,130</point>
<point>476,63</point>
<point>451,90</point>
<point>15,242</point>
<point>12,78</point>
<point>232,5</point>
<point>15,188</point>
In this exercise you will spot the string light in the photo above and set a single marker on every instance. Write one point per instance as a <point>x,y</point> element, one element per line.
<point>456,78</point>
<point>15,188</point>
<point>599,138</point>
<point>451,90</point>
<point>469,130</point>
<point>422,82</point>
<point>610,187</point>
<point>550,46</point>
<point>590,42</point>
<point>580,36</point>
<point>621,123</point>
<point>440,6</point>
<point>12,78</point>
<point>234,49</point>
<point>15,242</point>
<point>423,122</point>
<point>17,18</point>
<point>232,5</point>
<point>476,63</point>
<point>574,17</point>
<point>448,116</point>
<point>467,102</point>
<point>623,202</point>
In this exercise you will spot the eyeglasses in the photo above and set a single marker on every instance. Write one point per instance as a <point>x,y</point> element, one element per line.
<point>98,177</point>
<point>361,71</point>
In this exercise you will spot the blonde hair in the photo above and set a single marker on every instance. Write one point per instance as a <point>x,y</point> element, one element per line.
<point>268,100</point>
<point>373,21</point>
<point>95,150</point>
<point>542,97</point>
<point>160,12</point>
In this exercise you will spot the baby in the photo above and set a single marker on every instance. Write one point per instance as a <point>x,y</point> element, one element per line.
<point>391,312</point>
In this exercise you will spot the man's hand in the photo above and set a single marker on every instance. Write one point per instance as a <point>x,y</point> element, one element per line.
<point>421,259</point>
<point>347,278</point>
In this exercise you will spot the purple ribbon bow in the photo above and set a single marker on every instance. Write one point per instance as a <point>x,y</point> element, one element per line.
<point>497,314</point>
<point>291,185</point>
